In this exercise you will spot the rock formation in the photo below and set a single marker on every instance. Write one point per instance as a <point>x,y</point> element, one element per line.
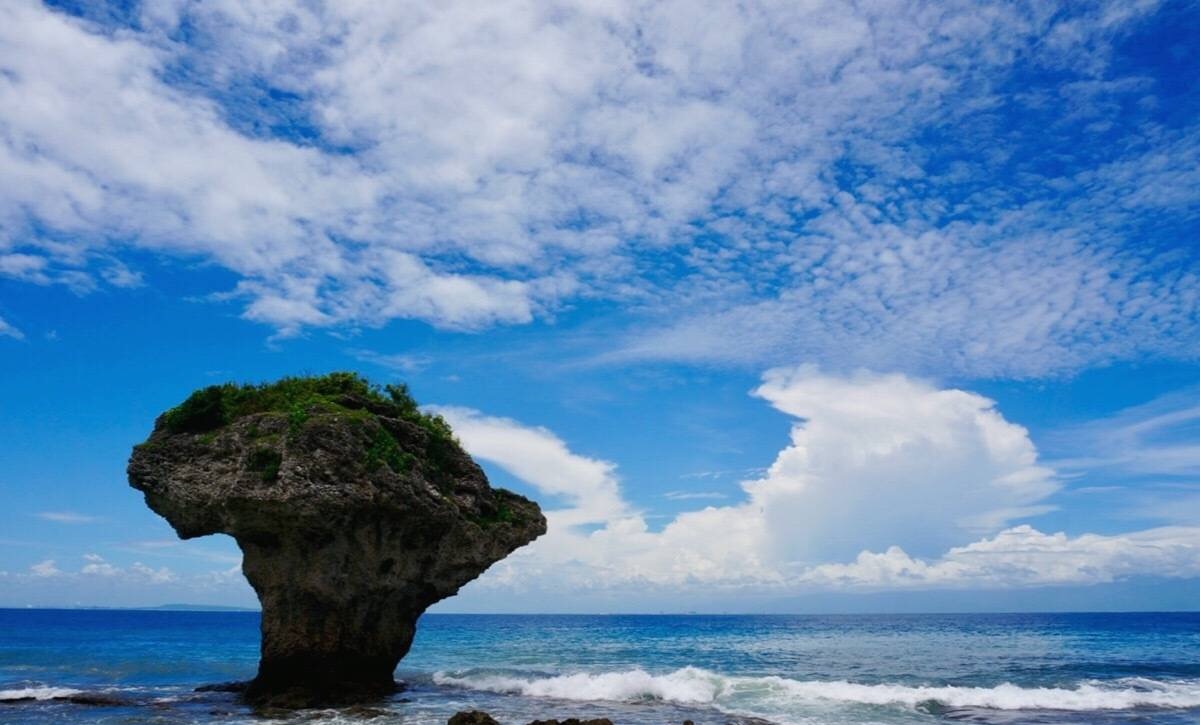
<point>478,717</point>
<point>354,512</point>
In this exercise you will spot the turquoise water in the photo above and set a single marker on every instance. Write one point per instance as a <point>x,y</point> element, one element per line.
<point>1052,668</point>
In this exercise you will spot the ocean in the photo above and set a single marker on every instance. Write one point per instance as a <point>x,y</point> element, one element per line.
<point>640,670</point>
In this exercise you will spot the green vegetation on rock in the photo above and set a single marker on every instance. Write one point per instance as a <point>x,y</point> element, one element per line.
<point>266,461</point>
<point>384,449</point>
<point>300,398</point>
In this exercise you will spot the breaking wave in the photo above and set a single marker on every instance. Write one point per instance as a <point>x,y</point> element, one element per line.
<point>37,693</point>
<point>694,686</point>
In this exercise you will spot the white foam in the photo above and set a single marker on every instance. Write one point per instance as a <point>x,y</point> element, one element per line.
<point>693,686</point>
<point>689,685</point>
<point>38,693</point>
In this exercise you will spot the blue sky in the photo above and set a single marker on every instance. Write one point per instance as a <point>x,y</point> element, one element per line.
<point>774,307</point>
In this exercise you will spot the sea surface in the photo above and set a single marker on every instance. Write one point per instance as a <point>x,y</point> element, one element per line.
<point>1005,668</point>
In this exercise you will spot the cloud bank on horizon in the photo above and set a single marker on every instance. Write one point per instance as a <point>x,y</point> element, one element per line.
<point>947,188</point>
<point>889,483</point>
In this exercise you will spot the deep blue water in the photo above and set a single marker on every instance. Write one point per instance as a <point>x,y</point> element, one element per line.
<point>1010,668</point>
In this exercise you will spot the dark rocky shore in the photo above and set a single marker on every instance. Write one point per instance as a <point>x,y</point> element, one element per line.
<point>478,717</point>
<point>365,712</point>
<point>354,512</point>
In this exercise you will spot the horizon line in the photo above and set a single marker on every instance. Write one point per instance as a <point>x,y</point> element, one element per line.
<point>226,609</point>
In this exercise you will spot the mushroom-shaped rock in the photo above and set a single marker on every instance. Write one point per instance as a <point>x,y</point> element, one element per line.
<point>354,511</point>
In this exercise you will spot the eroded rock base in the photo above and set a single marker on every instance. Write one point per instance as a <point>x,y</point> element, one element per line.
<point>300,682</point>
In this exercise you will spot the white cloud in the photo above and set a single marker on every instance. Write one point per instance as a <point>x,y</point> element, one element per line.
<point>877,463</point>
<point>221,578</point>
<point>161,575</point>
<point>66,517</point>
<point>137,584</point>
<point>7,330</point>
<point>1021,297</point>
<point>45,569</point>
<point>472,168</point>
<point>878,460</point>
<point>538,457</point>
<point>875,460</point>
<point>693,495</point>
<point>396,362</point>
<point>97,566</point>
<point>622,550</point>
<point>1024,556</point>
<point>1154,439</point>
<point>178,549</point>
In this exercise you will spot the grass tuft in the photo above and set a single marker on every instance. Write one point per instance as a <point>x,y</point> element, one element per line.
<point>266,461</point>
<point>300,399</point>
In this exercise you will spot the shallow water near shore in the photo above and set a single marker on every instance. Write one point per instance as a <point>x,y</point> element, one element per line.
<point>1003,669</point>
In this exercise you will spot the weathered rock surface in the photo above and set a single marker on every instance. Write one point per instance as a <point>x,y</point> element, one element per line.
<point>354,513</point>
<point>471,717</point>
<point>479,717</point>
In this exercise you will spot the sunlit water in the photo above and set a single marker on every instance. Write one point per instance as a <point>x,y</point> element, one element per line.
<point>1060,668</point>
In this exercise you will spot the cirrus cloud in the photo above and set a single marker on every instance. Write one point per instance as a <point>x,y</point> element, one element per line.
<point>7,330</point>
<point>820,193</point>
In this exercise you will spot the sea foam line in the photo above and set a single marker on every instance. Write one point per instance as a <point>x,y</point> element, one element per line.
<point>694,686</point>
<point>38,693</point>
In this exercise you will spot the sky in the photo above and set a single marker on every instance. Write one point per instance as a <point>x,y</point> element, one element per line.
<point>772,306</point>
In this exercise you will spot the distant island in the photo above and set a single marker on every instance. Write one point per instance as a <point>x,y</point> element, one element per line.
<point>147,608</point>
<point>197,608</point>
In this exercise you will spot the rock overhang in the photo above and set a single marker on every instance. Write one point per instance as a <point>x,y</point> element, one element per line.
<point>354,510</point>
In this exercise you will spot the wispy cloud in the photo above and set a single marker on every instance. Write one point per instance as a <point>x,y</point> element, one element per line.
<point>1153,439</point>
<point>176,549</point>
<point>396,362</point>
<point>967,198</point>
<point>693,495</point>
<point>7,330</point>
<point>727,473</point>
<point>67,517</point>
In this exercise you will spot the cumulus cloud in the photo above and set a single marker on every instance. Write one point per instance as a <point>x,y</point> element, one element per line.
<point>818,191</point>
<point>1024,556</point>
<point>134,583</point>
<point>160,575</point>
<point>877,463</point>
<point>877,460</point>
<point>540,458</point>
<point>622,549</point>
<point>45,569</point>
<point>95,566</point>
